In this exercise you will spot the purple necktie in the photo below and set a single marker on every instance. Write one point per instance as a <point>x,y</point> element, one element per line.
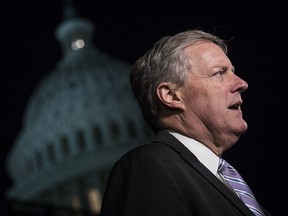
<point>240,187</point>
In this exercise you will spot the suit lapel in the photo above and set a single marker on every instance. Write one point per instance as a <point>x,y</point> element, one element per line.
<point>168,139</point>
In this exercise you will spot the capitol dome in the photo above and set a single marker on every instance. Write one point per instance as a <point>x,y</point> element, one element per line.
<point>79,120</point>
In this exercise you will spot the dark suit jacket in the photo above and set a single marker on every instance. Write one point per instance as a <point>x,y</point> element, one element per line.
<point>165,179</point>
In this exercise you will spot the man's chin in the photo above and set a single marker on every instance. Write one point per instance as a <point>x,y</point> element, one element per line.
<point>243,128</point>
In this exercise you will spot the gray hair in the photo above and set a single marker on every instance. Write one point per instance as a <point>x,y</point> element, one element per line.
<point>166,61</point>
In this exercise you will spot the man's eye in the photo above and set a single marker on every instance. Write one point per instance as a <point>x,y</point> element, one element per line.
<point>220,73</point>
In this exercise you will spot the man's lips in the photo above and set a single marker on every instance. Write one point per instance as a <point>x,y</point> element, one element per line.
<point>236,106</point>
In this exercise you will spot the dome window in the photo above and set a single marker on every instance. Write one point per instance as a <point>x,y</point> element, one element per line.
<point>77,44</point>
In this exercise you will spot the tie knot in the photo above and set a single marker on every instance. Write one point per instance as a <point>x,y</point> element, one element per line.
<point>225,168</point>
<point>222,165</point>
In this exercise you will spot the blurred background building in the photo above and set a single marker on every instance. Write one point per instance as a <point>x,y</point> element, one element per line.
<point>79,120</point>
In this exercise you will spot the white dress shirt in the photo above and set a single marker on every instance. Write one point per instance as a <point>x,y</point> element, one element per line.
<point>203,153</point>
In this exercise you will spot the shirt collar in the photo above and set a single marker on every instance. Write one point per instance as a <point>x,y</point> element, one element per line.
<point>203,153</point>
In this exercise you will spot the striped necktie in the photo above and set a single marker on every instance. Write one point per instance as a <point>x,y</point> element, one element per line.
<point>234,179</point>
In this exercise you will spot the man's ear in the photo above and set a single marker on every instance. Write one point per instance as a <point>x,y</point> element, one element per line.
<point>169,96</point>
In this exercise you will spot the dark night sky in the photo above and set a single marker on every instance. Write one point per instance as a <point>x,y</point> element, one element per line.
<point>258,50</point>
